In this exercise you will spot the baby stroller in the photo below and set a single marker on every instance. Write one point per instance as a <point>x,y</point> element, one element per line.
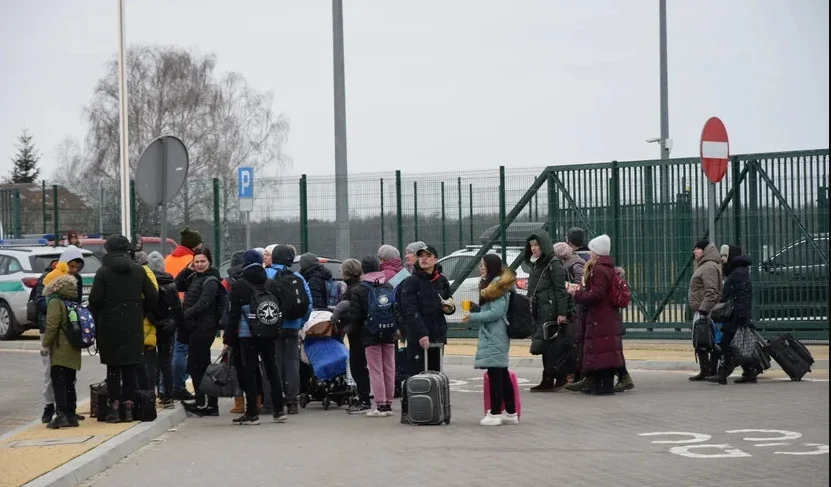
<point>327,357</point>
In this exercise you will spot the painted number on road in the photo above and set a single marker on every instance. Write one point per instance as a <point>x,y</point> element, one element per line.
<point>693,446</point>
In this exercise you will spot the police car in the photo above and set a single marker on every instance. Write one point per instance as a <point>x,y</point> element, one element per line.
<point>22,262</point>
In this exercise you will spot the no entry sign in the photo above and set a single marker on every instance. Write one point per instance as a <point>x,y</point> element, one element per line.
<point>715,150</point>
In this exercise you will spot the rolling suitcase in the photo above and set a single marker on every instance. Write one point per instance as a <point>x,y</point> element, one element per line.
<point>428,395</point>
<point>791,355</point>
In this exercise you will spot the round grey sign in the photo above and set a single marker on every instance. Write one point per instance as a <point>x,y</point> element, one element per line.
<point>162,170</point>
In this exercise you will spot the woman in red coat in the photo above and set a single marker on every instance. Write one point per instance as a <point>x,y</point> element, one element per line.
<point>602,331</point>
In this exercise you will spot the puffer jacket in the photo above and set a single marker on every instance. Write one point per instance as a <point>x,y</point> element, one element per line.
<point>317,277</point>
<point>602,330</point>
<point>546,287</point>
<point>149,327</point>
<point>60,351</point>
<point>200,305</point>
<point>177,261</point>
<point>421,296</point>
<point>737,287</point>
<point>493,347</point>
<point>705,285</point>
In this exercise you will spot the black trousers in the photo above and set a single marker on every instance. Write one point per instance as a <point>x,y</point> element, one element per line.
<point>121,381</point>
<point>415,358</point>
<point>148,377</point>
<point>164,351</point>
<point>199,358</point>
<point>358,367</point>
<point>251,351</point>
<point>501,390</point>
<point>63,383</point>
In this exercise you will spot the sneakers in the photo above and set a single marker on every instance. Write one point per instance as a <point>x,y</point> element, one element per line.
<point>700,376</point>
<point>58,422</point>
<point>293,409</point>
<point>167,403</point>
<point>246,420</point>
<point>583,384</point>
<point>625,383</point>
<point>388,410</point>
<point>359,408</point>
<point>48,412</point>
<point>183,395</point>
<point>510,419</point>
<point>559,384</point>
<point>209,411</point>
<point>717,379</point>
<point>491,420</point>
<point>280,417</point>
<point>376,413</point>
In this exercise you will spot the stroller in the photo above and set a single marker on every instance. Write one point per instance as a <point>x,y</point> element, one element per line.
<point>324,364</point>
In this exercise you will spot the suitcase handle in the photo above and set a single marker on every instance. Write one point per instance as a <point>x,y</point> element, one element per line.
<point>440,346</point>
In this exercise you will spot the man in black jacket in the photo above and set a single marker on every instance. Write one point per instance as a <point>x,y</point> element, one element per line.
<point>254,346</point>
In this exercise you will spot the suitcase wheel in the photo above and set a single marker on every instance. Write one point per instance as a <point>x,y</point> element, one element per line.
<point>447,421</point>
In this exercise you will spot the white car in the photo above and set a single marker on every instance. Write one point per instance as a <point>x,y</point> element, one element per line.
<point>21,265</point>
<point>469,289</point>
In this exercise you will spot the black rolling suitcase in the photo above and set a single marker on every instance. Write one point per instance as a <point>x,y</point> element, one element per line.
<point>428,396</point>
<point>791,355</point>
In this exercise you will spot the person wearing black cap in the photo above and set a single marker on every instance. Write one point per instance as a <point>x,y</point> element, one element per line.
<point>122,294</point>
<point>704,294</point>
<point>576,239</point>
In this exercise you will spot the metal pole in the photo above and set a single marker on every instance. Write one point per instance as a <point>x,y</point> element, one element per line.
<point>43,203</point>
<point>470,200</point>
<point>163,205</point>
<point>415,211</point>
<point>502,227</point>
<point>461,229</point>
<point>247,229</point>
<point>443,226</point>
<point>662,14</point>
<point>399,218</point>
<point>341,172</point>
<point>382,211</point>
<point>101,209</point>
<point>304,214</point>
<point>711,211</point>
<point>123,132</point>
<point>55,211</point>
<point>217,234</point>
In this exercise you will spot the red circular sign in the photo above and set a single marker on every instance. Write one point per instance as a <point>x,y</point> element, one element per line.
<point>715,150</point>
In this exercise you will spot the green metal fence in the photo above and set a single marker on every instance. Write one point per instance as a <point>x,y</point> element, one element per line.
<point>775,205</point>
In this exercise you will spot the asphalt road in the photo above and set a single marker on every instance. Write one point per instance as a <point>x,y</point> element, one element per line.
<point>667,431</point>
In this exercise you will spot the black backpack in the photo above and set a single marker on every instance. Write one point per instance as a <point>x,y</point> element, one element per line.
<point>263,311</point>
<point>291,293</point>
<point>703,335</point>
<point>520,322</point>
<point>164,316</point>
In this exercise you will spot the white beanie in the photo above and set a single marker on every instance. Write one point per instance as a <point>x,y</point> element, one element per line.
<point>601,245</point>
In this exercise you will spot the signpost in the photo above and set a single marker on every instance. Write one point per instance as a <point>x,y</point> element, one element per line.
<point>161,172</point>
<point>715,155</point>
<point>245,194</point>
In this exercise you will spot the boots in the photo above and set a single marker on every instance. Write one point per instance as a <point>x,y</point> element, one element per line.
<point>114,416</point>
<point>60,421</point>
<point>584,383</point>
<point>625,383</point>
<point>559,384</point>
<point>128,412</point>
<point>704,366</point>
<point>239,405</point>
<point>605,386</point>
<point>48,412</point>
<point>547,384</point>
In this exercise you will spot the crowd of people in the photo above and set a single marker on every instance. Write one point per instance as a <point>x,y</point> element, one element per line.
<point>157,317</point>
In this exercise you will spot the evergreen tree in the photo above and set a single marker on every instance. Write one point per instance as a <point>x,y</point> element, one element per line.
<point>25,169</point>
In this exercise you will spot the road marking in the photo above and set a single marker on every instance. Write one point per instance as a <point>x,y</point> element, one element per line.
<point>820,450</point>
<point>727,451</point>
<point>696,437</point>
<point>786,435</point>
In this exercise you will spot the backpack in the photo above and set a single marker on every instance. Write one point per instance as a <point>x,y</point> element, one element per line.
<point>263,312</point>
<point>163,317</point>
<point>80,326</point>
<point>520,323</point>
<point>621,297</point>
<point>703,336</point>
<point>291,294</point>
<point>334,292</point>
<point>380,317</point>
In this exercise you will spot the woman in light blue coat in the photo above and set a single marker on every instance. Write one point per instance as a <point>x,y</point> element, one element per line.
<point>492,351</point>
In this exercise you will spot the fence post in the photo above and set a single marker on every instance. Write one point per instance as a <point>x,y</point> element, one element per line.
<point>551,218</point>
<point>133,209</point>
<point>101,209</point>
<point>43,204</point>
<point>737,201</point>
<point>399,219</point>
<point>443,226</point>
<point>616,210</point>
<point>470,187</point>
<point>822,208</point>
<point>461,231</point>
<point>415,210</point>
<point>382,212</point>
<point>754,230</point>
<point>55,208</point>
<point>304,215</point>
<point>502,230</point>
<point>17,217</point>
<point>217,232</point>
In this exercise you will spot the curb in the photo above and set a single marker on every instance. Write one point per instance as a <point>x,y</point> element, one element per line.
<point>98,459</point>
<point>534,362</point>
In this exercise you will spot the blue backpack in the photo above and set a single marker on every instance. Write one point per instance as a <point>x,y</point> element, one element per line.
<point>380,317</point>
<point>334,292</point>
<point>80,329</point>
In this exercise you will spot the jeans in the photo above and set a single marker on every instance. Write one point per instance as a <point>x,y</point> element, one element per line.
<point>164,347</point>
<point>121,382</point>
<point>358,366</point>
<point>179,365</point>
<point>63,383</point>
<point>381,363</point>
<point>251,351</point>
<point>501,390</point>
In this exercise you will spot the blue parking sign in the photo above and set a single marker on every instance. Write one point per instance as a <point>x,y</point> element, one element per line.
<point>245,183</point>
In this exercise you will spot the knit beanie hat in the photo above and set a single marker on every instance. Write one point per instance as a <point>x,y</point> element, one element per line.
<point>369,264</point>
<point>155,261</point>
<point>307,260</point>
<point>562,250</point>
<point>388,252</point>
<point>140,258</point>
<point>702,244</point>
<point>414,247</point>
<point>190,238</point>
<point>117,243</point>
<point>724,251</point>
<point>252,257</point>
<point>269,249</point>
<point>351,268</point>
<point>601,245</point>
<point>282,255</point>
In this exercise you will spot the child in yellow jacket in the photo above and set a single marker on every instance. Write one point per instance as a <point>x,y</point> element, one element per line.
<point>150,357</point>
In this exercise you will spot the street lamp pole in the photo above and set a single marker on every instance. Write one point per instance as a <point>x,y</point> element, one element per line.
<point>662,14</point>
<point>124,154</point>
<point>342,240</point>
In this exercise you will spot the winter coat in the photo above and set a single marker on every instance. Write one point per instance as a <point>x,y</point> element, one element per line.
<point>60,351</point>
<point>122,295</point>
<point>359,309</point>
<point>602,330</point>
<point>705,285</point>
<point>317,277</point>
<point>149,327</point>
<point>178,260</point>
<point>738,287</point>
<point>340,317</point>
<point>167,285</point>
<point>201,313</point>
<point>574,266</point>
<point>390,268</point>
<point>493,347</point>
<point>421,296</point>
<point>252,277</point>
<point>546,287</point>
<point>235,271</point>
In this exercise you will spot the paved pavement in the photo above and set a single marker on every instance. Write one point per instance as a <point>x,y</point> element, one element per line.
<point>775,432</point>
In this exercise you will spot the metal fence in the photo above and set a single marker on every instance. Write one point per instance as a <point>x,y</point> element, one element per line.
<point>775,205</point>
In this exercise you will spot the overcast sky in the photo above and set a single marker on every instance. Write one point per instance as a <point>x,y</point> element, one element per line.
<point>439,85</point>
